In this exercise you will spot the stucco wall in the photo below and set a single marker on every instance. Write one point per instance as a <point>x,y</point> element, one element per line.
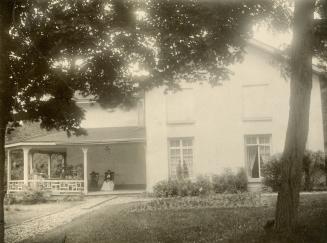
<point>96,116</point>
<point>127,160</point>
<point>223,115</point>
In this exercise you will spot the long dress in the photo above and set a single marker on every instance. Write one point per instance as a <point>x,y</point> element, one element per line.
<point>108,184</point>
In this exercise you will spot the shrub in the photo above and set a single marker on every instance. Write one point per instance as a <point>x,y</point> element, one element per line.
<point>183,188</point>
<point>313,171</point>
<point>202,185</point>
<point>271,172</point>
<point>241,180</point>
<point>30,196</point>
<point>229,182</point>
<point>166,188</point>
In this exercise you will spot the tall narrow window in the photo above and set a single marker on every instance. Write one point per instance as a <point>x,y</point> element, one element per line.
<point>180,158</point>
<point>258,150</point>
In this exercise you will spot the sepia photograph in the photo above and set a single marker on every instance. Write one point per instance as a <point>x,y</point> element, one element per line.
<point>163,121</point>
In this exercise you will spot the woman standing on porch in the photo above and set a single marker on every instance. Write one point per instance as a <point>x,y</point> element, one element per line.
<point>108,183</point>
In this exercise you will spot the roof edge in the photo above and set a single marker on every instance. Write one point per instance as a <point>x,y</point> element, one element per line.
<point>277,53</point>
<point>112,141</point>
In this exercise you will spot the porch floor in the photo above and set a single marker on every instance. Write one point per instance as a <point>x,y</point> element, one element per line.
<point>115,192</point>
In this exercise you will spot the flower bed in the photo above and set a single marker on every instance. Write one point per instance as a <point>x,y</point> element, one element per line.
<point>211,201</point>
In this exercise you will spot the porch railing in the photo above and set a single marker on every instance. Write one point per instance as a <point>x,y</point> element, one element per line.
<point>16,185</point>
<point>54,186</point>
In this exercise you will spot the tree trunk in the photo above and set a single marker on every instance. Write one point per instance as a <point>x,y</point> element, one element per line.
<point>5,95</point>
<point>298,122</point>
<point>2,168</point>
<point>323,94</point>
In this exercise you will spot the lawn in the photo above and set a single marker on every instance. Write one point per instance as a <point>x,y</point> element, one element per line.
<point>120,223</point>
<point>18,213</point>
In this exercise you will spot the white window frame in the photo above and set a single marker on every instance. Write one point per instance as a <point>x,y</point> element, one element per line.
<point>180,147</point>
<point>257,144</point>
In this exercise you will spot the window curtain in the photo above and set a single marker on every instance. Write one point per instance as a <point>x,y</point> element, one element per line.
<point>253,161</point>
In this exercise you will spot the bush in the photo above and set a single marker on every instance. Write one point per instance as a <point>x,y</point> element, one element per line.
<point>166,188</point>
<point>183,188</point>
<point>30,196</point>
<point>203,185</point>
<point>271,172</point>
<point>313,171</point>
<point>229,182</point>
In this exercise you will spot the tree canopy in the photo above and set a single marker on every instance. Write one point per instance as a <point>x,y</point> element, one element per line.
<point>93,47</point>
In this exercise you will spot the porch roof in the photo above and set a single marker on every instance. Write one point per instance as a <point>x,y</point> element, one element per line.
<point>94,136</point>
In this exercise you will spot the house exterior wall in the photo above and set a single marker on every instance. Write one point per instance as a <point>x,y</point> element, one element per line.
<point>96,116</point>
<point>254,101</point>
<point>127,160</point>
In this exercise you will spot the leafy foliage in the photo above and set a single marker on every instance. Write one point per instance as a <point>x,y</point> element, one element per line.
<point>62,47</point>
<point>272,171</point>
<point>313,171</point>
<point>29,196</point>
<point>223,200</point>
<point>183,188</point>
<point>229,182</point>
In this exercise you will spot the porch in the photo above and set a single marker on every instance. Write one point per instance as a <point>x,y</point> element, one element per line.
<point>62,165</point>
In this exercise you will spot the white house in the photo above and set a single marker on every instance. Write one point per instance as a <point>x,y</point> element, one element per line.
<point>207,129</point>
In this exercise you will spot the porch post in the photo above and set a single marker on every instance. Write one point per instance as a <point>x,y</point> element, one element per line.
<point>85,170</point>
<point>49,166</point>
<point>8,169</point>
<point>26,157</point>
<point>30,164</point>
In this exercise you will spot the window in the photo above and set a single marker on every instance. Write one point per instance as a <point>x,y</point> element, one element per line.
<point>180,106</point>
<point>180,158</point>
<point>258,149</point>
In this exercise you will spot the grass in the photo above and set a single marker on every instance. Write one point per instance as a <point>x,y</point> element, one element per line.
<point>121,224</point>
<point>18,213</point>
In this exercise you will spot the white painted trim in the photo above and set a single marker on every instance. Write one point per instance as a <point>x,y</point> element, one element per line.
<point>8,169</point>
<point>26,164</point>
<point>85,169</point>
<point>49,166</point>
<point>104,142</point>
<point>30,144</point>
<point>76,143</point>
<point>257,144</point>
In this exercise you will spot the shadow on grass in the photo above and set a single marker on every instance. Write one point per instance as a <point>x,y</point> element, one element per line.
<point>312,228</point>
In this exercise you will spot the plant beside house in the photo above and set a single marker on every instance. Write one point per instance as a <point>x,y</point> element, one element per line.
<point>313,172</point>
<point>227,182</point>
<point>28,196</point>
